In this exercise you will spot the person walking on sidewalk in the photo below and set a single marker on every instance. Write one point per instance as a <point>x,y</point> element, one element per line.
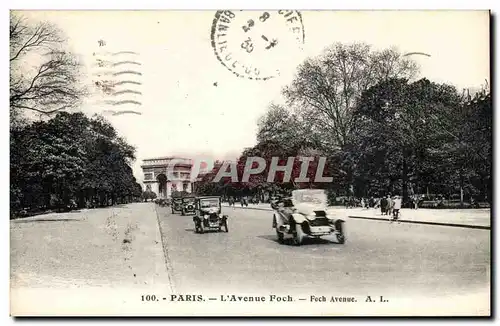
<point>390,205</point>
<point>383,205</point>
<point>244,201</point>
<point>396,208</point>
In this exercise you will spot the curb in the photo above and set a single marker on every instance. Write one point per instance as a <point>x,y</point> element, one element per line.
<point>469,226</point>
<point>164,245</point>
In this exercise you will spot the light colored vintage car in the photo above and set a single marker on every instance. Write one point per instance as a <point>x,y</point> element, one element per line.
<point>305,214</point>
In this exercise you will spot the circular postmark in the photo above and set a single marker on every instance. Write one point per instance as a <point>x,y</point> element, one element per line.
<point>254,44</point>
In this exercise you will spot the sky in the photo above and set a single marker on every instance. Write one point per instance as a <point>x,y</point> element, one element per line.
<point>184,113</point>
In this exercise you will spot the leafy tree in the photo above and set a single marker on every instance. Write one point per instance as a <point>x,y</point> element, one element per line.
<point>51,167</point>
<point>180,194</point>
<point>327,87</point>
<point>148,194</point>
<point>411,137</point>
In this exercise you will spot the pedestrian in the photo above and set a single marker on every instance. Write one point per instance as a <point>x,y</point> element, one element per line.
<point>390,205</point>
<point>383,205</point>
<point>396,207</point>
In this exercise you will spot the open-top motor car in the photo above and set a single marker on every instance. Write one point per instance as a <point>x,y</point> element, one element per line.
<point>305,214</point>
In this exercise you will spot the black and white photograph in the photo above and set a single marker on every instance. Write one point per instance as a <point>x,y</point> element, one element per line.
<point>240,163</point>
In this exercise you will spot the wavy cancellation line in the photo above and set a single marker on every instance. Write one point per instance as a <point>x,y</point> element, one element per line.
<point>109,83</point>
<point>106,53</point>
<point>114,103</point>
<point>126,91</point>
<point>417,53</point>
<point>108,64</point>
<point>111,73</point>
<point>115,113</point>
<point>123,82</point>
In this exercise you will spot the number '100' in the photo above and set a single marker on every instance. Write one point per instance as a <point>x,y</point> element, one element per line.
<point>148,297</point>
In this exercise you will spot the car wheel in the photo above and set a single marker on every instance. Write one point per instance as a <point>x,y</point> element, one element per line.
<point>281,237</point>
<point>225,226</point>
<point>201,227</point>
<point>341,238</point>
<point>298,235</point>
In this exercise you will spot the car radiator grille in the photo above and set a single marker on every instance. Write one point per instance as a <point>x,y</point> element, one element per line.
<point>319,221</point>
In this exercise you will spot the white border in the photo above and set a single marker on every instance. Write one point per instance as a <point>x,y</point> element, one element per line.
<point>192,5</point>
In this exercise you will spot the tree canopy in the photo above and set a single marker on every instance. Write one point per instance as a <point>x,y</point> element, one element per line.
<point>67,158</point>
<point>380,130</point>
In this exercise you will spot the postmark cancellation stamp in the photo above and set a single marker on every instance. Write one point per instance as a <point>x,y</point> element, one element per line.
<point>252,44</point>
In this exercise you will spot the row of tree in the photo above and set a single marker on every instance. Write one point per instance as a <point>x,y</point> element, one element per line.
<point>59,160</point>
<point>382,131</point>
<point>70,161</point>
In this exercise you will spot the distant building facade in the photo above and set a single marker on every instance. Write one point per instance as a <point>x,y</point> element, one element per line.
<point>158,180</point>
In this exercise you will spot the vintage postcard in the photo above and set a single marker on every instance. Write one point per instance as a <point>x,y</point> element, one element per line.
<point>250,163</point>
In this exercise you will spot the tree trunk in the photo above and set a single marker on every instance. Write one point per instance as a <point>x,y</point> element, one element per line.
<point>461,188</point>
<point>404,177</point>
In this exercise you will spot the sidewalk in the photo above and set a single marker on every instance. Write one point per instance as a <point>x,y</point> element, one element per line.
<point>471,218</point>
<point>87,262</point>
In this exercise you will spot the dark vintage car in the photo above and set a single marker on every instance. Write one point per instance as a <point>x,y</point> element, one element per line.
<point>188,205</point>
<point>162,202</point>
<point>176,205</point>
<point>208,215</point>
<point>303,215</point>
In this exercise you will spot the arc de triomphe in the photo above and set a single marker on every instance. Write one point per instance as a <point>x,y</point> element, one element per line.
<point>157,179</point>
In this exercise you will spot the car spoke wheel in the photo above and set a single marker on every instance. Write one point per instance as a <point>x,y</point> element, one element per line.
<point>281,237</point>
<point>341,238</point>
<point>298,235</point>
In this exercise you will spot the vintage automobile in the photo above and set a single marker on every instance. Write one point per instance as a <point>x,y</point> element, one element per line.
<point>188,205</point>
<point>208,215</point>
<point>162,202</point>
<point>176,205</point>
<point>303,215</point>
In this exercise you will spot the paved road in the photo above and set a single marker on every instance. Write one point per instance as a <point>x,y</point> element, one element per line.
<point>378,257</point>
<point>90,262</point>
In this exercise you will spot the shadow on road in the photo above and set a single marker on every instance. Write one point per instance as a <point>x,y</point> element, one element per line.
<point>307,241</point>
<point>206,231</point>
